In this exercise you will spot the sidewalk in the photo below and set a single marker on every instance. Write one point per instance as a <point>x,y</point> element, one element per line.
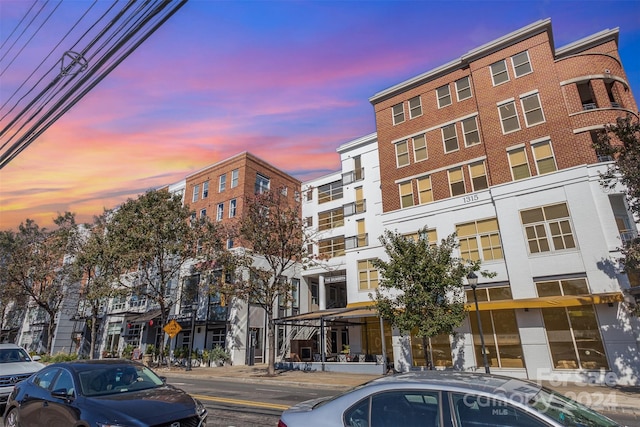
<point>601,398</point>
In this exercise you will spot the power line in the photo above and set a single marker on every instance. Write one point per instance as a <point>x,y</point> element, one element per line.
<point>123,34</point>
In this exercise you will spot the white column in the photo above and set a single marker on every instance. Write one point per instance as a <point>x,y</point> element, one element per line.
<point>322,293</point>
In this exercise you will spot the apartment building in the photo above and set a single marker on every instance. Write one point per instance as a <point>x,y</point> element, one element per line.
<point>496,146</point>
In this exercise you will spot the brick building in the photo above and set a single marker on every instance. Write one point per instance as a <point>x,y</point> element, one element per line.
<point>496,146</point>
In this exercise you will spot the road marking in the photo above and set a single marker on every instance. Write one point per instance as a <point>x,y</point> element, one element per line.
<point>241,402</point>
<point>272,389</point>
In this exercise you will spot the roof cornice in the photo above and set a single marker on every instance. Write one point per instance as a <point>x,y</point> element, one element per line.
<point>543,25</point>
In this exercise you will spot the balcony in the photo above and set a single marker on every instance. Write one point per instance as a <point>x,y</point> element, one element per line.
<point>352,176</point>
<point>589,106</point>
<point>359,241</point>
<point>356,207</point>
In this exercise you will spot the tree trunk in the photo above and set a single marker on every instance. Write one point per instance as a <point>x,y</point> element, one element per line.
<point>94,333</point>
<point>50,332</point>
<point>425,350</point>
<point>271,338</point>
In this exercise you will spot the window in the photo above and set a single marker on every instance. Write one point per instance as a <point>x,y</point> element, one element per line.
<point>502,339</point>
<point>203,213</point>
<point>234,178</point>
<point>450,138</point>
<point>463,88</point>
<point>330,248</point>
<point>471,410</point>
<point>419,148</point>
<point>309,194</point>
<point>284,190</point>
<point>44,378</point>
<point>331,219</point>
<point>391,408</point>
<point>521,64</point>
<point>560,287</point>
<point>611,94</point>
<point>220,212</point>
<point>574,338</point>
<point>519,164</point>
<point>499,72</point>
<point>545,161</point>
<point>367,275</point>
<point>456,182</point>
<point>425,191</point>
<point>329,192</point>
<point>205,189</point>
<point>430,235</point>
<point>406,194</point>
<point>470,130</point>
<point>509,117</point>
<point>402,153</point>
<point>229,243</point>
<point>262,184</point>
<point>548,228</point>
<point>444,96</point>
<point>362,233</point>
<point>532,109</point>
<point>480,240</point>
<point>232,208</point>
<point>415,107</point>
<point>478,173</point>
<point>222,182</point>
<point>196,192</point>
<point>308,221</point>
<point>360,205</point>
<point>398,113</point>
<point>587,98</point>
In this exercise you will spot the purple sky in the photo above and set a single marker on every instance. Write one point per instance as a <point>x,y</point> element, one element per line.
<point>288,81</point>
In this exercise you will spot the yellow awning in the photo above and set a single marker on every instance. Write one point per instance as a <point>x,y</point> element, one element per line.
<point>547,302</point>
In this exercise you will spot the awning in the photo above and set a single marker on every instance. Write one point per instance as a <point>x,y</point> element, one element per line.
<point>547,302</point>
<point>144,317</point>
<point>331,314</point>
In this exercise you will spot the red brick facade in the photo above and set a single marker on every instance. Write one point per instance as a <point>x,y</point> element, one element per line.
<point>248,167</point>
<point>554,77</point>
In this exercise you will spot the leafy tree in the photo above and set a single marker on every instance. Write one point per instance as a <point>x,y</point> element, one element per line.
<point>156,239</point>
<point>421,286</point>
<point>621,141</point>
<point>271,228</point>
<point>36,263</point>
<point>99,265</point>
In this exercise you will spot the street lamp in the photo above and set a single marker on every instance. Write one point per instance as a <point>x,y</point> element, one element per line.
<point>473,282</point>
<point>194,308</point>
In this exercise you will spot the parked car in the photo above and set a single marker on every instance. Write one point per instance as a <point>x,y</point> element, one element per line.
<point>101,393</point>
<point>15,365</point>
<point>445,399</point>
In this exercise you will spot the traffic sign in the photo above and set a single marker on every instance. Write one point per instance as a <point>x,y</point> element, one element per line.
<point>172,328</point>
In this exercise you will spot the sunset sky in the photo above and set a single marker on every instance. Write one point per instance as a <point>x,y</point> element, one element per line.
<point>288,81</point>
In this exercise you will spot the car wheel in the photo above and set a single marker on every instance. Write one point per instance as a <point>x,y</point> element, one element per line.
<point>11,420</point>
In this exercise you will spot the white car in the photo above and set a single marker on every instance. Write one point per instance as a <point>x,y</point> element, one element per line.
<point>444,399</point>
<point>15,365</point>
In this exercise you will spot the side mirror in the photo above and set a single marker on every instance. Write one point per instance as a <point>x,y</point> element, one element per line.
<point>164,379</point>
<point>61,393</point>
<point>35,358</point>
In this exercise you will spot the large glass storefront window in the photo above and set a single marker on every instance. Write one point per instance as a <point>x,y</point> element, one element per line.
<point>439,348</point>
<point>574,338</point>
<point>501,338</point>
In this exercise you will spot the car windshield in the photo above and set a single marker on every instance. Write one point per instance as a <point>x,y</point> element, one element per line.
<point>567,411</point>
<point>107,380</point>
<point>12,355</point>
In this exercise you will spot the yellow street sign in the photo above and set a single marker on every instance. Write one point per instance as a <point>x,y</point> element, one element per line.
<point>172,328</point>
